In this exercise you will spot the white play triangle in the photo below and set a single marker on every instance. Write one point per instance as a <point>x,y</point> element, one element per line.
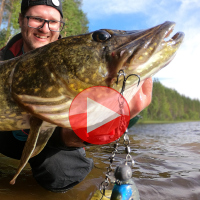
<point>99,116</point>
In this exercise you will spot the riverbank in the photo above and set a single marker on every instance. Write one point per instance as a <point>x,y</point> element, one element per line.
<point>141,121</point>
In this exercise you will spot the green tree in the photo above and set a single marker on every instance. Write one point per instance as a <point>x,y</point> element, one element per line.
<point>168,104</point>
<point>154,107</point>
<point>2,7</point>
<point>76,21</point>
<point>2,37</point>
<point>10,19</point>
<point>15,7</point>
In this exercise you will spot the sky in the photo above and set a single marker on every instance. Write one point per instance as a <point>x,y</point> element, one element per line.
<point>183,73</point>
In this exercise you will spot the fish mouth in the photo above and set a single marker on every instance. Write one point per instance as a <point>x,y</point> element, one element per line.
<point>156,40</point>
<point>147,51</point>
<point>173,41</point>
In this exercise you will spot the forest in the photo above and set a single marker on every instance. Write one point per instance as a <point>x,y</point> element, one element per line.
<point>167,104</point>
<point>75,20</point>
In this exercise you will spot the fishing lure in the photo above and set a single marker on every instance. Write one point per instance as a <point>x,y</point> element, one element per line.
<point>124,188</point>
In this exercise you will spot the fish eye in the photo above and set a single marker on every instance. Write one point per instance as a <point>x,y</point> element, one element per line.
<point>101,36</point>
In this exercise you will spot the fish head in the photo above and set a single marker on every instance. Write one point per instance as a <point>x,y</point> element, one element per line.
<point>75,63</point>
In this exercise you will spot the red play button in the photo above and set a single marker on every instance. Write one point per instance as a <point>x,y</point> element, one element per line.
<point>95,115</point>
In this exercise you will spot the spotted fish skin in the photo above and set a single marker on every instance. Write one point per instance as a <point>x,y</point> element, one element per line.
<point>12,117</point>
<point>41,84</point>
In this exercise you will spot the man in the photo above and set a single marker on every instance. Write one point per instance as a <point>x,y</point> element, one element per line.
<point>62,163</point>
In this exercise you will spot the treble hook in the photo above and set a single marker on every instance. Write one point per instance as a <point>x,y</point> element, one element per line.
<point>121,72</point>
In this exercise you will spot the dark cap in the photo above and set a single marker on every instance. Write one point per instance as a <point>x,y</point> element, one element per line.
<point>53,3</point>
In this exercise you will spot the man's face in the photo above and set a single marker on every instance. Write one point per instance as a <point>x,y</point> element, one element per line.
<point>34,38</point>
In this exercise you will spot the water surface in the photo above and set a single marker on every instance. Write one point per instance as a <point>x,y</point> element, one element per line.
<point>167,166</point>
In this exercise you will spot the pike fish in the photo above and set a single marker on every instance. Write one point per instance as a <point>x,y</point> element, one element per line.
<point>37,88</point>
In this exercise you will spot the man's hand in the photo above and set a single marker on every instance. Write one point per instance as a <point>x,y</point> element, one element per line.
<point>70,139</point>
<point>142,98</point>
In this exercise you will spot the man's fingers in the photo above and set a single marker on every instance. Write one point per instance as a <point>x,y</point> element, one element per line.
<point>142,98</point>
<point>147,88</point>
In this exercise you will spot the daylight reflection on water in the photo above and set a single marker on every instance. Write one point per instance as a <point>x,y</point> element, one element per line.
<point>167,166</point>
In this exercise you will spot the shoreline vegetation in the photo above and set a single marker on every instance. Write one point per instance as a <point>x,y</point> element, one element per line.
<point>141,121</point>
<point>168,106</point>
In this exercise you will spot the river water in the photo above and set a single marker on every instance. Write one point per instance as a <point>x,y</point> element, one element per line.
<point>167,166</point>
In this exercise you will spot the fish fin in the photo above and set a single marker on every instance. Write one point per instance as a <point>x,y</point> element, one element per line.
<point>35,125</point>
<point>42,140</point>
